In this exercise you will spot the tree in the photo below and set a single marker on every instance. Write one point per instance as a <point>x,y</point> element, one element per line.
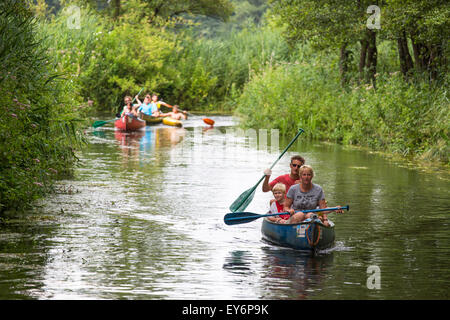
<point>166,9</point>
<point>425,24</point>
<point>331,24</point>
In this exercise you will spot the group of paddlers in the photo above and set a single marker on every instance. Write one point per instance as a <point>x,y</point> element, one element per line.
<point>150,107</point>
<point>294,192</point>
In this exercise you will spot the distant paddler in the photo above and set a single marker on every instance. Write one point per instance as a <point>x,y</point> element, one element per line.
<point>150,105</point>
<point>175,114</point>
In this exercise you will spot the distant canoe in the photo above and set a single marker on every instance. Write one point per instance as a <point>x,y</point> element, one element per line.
<point>129,123</point>
<point>172,122</point>
<point>307,235</point>
<point>151,120</point>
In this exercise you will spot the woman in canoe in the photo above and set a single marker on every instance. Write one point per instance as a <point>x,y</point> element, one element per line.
<point>129,108</point>
<point>305,196</point>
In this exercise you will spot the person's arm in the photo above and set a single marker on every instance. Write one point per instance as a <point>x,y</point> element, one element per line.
<point>184,115</point>
<point>287,206</point>
<point>138,101</point>
<point>266,186</point>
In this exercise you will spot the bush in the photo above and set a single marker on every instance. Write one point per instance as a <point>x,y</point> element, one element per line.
<point>410,118</point>
<point>38,118</point>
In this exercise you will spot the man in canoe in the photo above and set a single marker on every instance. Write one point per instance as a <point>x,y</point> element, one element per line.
<point>287,179</point>
<point>175,114</point>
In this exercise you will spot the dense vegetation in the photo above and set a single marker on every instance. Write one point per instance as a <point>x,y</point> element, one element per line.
<point>352,78</point>
<point>38,119</point>
<point>322,65</point>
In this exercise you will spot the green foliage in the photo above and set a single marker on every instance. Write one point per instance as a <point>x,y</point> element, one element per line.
<point>407,118</point>
<point>207,73</point>
<point>38,120</point>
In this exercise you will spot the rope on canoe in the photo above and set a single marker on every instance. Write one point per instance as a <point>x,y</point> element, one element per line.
<point>311,243</point>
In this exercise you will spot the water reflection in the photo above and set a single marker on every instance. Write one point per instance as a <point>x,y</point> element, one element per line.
<point>292,274</point>
<point>146,222</point>
<point>238,262</point>
<point>141,146</point>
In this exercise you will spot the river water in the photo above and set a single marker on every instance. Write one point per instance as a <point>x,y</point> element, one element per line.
<point>143,219</point>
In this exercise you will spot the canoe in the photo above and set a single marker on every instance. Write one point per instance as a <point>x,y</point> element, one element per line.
<point>309,235</point>
<point>129,123</point>
<point>172,122</point>
<point>150,120</point>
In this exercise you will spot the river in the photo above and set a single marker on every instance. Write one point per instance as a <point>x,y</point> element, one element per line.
<point>143,219</point>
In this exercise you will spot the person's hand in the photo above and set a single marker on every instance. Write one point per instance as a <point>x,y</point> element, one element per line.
<point>339,210</point>
<point>291,211</point>
<point>268,172</point>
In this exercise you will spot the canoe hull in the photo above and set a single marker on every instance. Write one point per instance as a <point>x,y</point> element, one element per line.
<point>128,123</point>
<point>307,235</point>
<point>150,120</point>
<point>172,122</point>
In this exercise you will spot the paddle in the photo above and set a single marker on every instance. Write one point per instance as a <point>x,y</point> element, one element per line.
<point>205,120</point>
<point>247,196</point>
<point>100,123</point>
<point>245,217</point>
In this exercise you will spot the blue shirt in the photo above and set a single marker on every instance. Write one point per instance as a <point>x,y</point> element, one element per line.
<point>148,109</point>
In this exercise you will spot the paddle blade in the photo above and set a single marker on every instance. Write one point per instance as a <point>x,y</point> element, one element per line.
<point>243,200</point>
<point>240,217</point>
<point>100,123</point>
<point>208,121</point>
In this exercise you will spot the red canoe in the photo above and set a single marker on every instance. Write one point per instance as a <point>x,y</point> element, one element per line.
<point>129,123</point>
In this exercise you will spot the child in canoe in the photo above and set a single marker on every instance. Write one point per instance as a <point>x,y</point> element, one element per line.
<point>277,205</point>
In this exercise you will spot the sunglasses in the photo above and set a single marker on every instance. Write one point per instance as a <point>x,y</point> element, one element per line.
<point>296,165</point>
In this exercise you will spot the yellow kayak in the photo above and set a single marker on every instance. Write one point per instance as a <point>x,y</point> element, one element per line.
<point>172,122</point>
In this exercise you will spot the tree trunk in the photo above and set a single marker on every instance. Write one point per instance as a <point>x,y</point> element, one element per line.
<point>362,58</point>
<point>406,63</point>
<point>372,57</point>
<point>343,64</point>
<point>420,54</point>
<point>116,13</point>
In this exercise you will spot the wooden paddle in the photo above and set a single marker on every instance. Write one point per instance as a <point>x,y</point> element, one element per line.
<point>245,217</point>
<point>247,196</point>
<point>100,123</point>
<point>205,120</point>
